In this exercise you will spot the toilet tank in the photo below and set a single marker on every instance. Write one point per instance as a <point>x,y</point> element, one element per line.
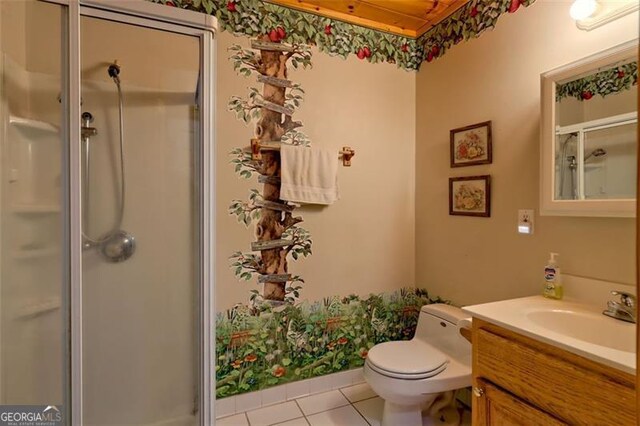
<point>438,326</point>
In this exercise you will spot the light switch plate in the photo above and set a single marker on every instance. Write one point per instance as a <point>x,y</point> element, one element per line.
<point>525,222</point>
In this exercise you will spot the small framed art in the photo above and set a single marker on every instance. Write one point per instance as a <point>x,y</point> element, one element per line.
<point>470,196</point>
<point>471,145</point>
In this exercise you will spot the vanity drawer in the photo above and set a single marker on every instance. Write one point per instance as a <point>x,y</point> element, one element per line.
<point>567,386</point>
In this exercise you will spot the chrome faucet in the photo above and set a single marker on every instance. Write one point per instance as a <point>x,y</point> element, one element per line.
<point>625,310</point>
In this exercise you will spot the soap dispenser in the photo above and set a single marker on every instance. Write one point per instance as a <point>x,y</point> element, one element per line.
<point>552,279</point>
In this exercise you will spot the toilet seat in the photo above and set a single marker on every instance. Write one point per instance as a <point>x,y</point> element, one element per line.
<point>409,360</point>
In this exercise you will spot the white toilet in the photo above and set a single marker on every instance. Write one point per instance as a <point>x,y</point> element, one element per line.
<point>410,375</point>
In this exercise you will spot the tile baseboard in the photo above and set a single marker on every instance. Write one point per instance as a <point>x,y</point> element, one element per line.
<point>229,406</point>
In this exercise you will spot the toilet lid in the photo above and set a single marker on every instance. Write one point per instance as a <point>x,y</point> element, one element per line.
<point>407,359</point>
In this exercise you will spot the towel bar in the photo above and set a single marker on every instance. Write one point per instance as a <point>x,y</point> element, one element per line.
<point>345,154</point>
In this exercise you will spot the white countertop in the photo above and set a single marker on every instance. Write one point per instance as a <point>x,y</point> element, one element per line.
<point>516,314</point>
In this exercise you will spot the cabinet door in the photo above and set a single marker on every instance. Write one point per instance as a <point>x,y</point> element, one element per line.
<point>495,407</point>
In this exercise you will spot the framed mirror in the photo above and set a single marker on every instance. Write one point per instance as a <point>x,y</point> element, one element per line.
<point>589,135</point>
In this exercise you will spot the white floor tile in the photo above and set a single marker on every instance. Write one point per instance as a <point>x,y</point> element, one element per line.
<point>358,392</point>
<point>248,401</point>
<point>295,422</point>
<point>343,416</point>
<point>225,406</point>
<point>371,409</point>
<point>274,395</point>
<point>322,402</point>
<point>274,414</point>
<point>297,389</point>
<point>237,420</point>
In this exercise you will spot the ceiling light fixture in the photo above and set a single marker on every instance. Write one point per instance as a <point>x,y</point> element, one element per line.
<point>606,11</point>
<point>582,9</point>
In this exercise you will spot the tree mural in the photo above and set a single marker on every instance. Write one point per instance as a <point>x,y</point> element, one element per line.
<point>275,339</point>
<point>279,236</point>
<point>268,344</point>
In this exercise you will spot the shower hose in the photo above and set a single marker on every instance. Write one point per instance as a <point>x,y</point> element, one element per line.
<point>97,241</point>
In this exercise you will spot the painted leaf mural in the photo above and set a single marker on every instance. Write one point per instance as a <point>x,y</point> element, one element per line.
<point>255,18</point>
<point>603,83</point>
<point>468,22</point>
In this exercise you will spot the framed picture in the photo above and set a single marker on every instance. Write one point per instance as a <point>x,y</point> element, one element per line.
<point>471,145</point>
<point>470,196</point>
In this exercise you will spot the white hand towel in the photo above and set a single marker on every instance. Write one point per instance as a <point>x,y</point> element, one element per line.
<point>308,175</point>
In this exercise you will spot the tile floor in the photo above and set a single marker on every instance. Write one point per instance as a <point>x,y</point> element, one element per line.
<point>354,405</point>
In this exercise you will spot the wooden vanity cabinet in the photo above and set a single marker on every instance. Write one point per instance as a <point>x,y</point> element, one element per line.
<point>502,408</point>
<point>521,381</point>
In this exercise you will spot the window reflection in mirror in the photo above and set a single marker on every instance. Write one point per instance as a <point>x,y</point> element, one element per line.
<point>595,134</point>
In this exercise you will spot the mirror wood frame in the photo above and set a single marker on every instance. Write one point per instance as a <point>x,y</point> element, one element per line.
<point>548,205</point>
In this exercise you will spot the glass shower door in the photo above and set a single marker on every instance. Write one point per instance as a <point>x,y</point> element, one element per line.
<point>141,221</point>
<point>610,155</point>
<point>34,363</point>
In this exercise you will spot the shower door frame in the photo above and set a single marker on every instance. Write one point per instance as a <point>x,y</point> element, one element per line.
<point>145,14</point>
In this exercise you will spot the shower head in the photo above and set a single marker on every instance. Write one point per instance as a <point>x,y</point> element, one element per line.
<point>598,152</point>
<point>114,71</point>
<point>569,137</point>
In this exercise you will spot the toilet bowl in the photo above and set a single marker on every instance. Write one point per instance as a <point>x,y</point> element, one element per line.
<point>410,375</point>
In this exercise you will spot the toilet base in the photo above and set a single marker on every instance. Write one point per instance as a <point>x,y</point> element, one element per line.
<point>405,415</point>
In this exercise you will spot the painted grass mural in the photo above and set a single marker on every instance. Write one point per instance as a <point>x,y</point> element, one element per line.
<point>260,347</point>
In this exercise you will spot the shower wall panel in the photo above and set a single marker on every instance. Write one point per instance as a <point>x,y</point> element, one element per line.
<point>32,322</point>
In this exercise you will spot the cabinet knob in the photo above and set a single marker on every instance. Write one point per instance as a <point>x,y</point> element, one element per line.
<point>478,392</point>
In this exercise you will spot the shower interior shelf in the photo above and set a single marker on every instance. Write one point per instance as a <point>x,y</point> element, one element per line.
<point>42,129</point>
<point>33,124</point>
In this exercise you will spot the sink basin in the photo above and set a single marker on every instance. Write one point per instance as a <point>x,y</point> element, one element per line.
<point>589,327</point>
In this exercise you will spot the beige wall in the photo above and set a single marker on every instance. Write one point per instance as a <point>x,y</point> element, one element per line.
<point>13,30</point>
<point>496,77</point>
<point>571,111</point>
<point>364,243</point>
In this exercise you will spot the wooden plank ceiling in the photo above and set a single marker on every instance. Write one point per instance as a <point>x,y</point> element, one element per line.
<point>410,18</point>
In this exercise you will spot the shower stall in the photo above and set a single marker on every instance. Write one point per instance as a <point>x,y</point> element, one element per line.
<point>106,211</point>
<point>597,159</point>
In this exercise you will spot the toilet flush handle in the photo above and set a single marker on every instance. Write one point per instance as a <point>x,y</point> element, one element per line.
<point>478,392</point>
